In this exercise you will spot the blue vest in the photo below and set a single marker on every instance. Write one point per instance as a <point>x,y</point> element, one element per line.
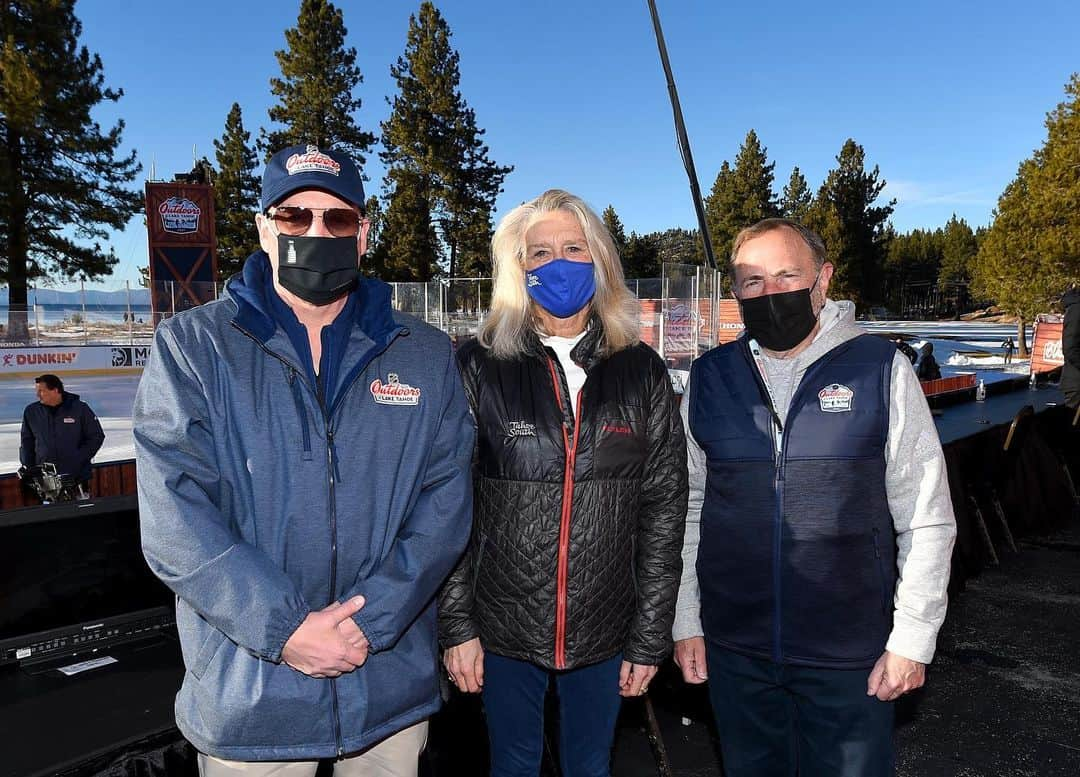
<point>797,560</point>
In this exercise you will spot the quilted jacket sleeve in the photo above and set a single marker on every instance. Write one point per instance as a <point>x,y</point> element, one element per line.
<point>661,517</point>
<point>458,593</point>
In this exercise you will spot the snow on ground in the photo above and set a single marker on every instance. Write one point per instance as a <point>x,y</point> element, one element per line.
<point>961,346</point>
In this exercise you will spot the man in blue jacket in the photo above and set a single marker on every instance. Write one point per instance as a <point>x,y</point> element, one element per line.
<point>304,487</point>
<point>60,429</point>
<point>819,530</point>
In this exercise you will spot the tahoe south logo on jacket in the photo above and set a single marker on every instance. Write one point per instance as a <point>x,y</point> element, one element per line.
<point>394,392</point>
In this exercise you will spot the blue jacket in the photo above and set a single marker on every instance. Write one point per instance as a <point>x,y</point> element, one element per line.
<point>258,505</point>
<point>797,556</point>
<point>68,435</point>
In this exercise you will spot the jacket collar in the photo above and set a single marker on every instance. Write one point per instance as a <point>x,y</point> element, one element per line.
<point>586,353</point>
<point>249,291</point>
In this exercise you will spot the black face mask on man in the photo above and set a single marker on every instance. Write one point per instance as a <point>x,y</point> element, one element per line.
<point>780,321</point>
<point>318,270</point>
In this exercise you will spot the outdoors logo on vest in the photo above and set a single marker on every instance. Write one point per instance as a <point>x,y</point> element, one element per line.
<point>520,429</point>
<point>179,215</point>
<point>312,161</point>
<point>835,398</point>
<point>394,392</point>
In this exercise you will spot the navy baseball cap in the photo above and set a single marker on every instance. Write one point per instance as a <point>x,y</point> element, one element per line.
<point>306,167</point>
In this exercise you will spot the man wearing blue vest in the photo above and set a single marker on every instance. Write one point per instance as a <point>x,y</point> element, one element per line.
<point>820,528</point>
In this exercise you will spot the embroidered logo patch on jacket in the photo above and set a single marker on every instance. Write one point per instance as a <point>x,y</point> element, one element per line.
<point>394,392</point>
<point>520,429</point>
<point>835,398</point>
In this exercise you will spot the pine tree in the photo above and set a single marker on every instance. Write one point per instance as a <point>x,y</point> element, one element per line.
<point>372,263</point>
<point>432,134</point>
<point>958,249</point>
<point>62,180</point>
<point>797,198</point>
<point>236,195</point>
<point>615,228</point>
<point>641,256</point>
<point>319,76</point>
<point>679,246</point>
<point>912,266</point>
<point>1031,252</point>
<point>741,196</point>
<point>408,248</point>
<point>853,227</point>
<point>721,205</point>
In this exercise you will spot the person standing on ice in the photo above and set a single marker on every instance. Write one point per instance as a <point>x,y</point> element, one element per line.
<point>928,368</point>
<point>1007,349</point>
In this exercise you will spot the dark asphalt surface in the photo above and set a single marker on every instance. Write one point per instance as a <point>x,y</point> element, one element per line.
<point>1002,697</point>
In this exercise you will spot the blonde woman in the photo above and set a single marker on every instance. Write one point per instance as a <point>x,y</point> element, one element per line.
<point>580,473</point>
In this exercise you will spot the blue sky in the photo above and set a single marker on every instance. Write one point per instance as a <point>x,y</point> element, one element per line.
<point>945,97</point>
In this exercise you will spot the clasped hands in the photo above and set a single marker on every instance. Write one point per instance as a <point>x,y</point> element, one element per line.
<point>328,643</point>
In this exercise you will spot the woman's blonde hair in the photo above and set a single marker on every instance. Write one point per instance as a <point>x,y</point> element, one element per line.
<point>512,316</point>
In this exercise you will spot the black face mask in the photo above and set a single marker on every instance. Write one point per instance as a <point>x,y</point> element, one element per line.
<point>780,321</point>
<point>318,270</point>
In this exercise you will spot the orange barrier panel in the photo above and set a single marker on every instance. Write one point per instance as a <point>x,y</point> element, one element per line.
<point>1046,353</point>
<point>933,388</point>
<point>729,323</point>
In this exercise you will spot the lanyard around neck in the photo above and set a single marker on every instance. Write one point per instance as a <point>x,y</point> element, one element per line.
<point>759,362</point>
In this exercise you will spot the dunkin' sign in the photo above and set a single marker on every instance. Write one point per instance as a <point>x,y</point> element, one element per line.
<point>179,215</point>
<point>26,358</point>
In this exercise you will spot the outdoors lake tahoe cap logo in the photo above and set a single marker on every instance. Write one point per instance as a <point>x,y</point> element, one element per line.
<point>179,215</point>
<point>394,392</point>
<point>312,161</point>
<point>835,398</point>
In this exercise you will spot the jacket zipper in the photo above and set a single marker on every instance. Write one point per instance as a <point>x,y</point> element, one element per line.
<point>779,448</point>
<point>778,529</point>
<point>564,519</point>
<point>331,469</point>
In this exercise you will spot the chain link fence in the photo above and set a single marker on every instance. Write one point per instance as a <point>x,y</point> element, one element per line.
<point>677,311</point>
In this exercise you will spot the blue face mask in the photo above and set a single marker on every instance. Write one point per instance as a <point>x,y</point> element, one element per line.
<point>561,287</point>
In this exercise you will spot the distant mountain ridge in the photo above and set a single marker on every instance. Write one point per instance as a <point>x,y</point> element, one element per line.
<point>138,296</point>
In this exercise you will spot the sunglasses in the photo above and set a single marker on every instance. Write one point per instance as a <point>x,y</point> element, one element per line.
<point>294,221</point>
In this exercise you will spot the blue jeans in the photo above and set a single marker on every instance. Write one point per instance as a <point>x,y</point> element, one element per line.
<point>589,704</point>
<point>777,720</point>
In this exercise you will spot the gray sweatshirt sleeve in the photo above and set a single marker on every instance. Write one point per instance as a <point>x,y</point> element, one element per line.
<point>918,491</point>
<point>688,606</point>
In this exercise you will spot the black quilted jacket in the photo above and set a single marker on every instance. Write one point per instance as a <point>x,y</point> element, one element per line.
<point>578,528</point>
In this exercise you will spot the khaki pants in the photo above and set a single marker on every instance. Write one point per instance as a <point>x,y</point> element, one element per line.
<point>395,756</point>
